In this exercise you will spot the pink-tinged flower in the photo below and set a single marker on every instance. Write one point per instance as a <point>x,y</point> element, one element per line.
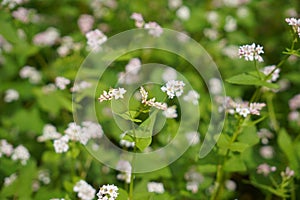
<point>154,29</point>
<point>265,169</point>
<point>21,14</point>
<point>255,108</point>
<point>192,96</point>
<point>267,152</point>
<point>151,102</point>
<point>85,23</point>
<point>46,38</point>
<point>267,71</point>
<point>112,93</point>
<point>288,173</point>
<point>84,190</point>
<point>294,103</point>
<point>251,52</point>
<point>265,135</point>
<point>295,23</point>
<point>139,20</point>
<point>95,39</point>
<point>6,148</point>
<point>13,3</point>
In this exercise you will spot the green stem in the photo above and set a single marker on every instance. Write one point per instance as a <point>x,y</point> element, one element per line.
<point>133,161</point>
<point>268,196</point>
<point>257,70</point>
<point>272,114</point>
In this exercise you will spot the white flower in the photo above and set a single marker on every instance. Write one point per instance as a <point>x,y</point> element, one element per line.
<point>11,95</point>
<point>173,88</point>
<point>243,111</point>
<point>108,192</point>
<point>173,4</point>
<point>288,173</point>
<point>192,96</point>
<point>21,14</point>
<point>125,142</point>
<point>151,102</point>
<point>73,131</point>
<point>295,23</point>
<point>49,133</point>
<point>13,3</point>
<point>9,180</point>
<point>21,153</point>
<point>192,186</point>
<point>251,52</point>
<point>183,13</point>
<point>112,93</point>
<point>268,69</point>
<point>170,112</point>
<point>230,25</point>
<point>211,33</point>
<point>84,190</point>
<point>169,74</point>
<point>193,137</point>
<point>95,39</point>
<point>133,66</point>
<point>80,86</point>
<point>61,82</point>
<point>267,152</point>
<point>85,23</point>
<point>155,187</point>
<point>215,86</point>
<point>89,130</point>
<point>265,169</point>
<point>46,38</point>
<point>61,144</point>
<point>265,135</point>
<point>213,18</point>
<point>230,185</point>
<point>44,177</point>
<point>242,108</point>
<point>154,29</point>
<point>255,108</point>
<point>125,167</point>
<point>5,148</point>
<point>31,73</point>
<point>138,18</point>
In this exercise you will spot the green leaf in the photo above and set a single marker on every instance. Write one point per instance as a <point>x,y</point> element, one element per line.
<point>235,164</point>
<point>129,115</point>
<point>247,79</point>
<point>122,194</point>
<point>238,146</point>
<point>248,136</point>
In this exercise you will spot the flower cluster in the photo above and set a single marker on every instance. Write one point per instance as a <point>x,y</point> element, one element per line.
<point>13,3</point>
<point>155,187</point>
<point>95,39</point>
<point>153,27</point>
<point>265,169</point>
<point>265,135</point>
<point>61,82</point>
<point>112,94</point>
<point>130,75</point>
<point>271,69</point>
<point>31,73</point>
<point>125,171</point>
<point>288,173</point>
<point>170,112</point>
<point>11,95</point>
<point>192,96</point>
<point>80,86</point>
<point>173,88</point>
<point>10,179</point>
<point>251,52</point>
<point>243,108</point>
<point>84,190</point>
<point>49,133</point>
<point>126,143</point>
<point>194,179</point>
<point>46,38</point>
<point>85,23</point>
<point>294,104</point>
<point>19,153</point>
<point>295,23</point>
<point>108,192</point>
<point>67,45</point>
<point>151,102</point>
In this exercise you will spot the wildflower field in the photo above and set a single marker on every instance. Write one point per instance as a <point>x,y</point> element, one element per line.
<point>150,100</point>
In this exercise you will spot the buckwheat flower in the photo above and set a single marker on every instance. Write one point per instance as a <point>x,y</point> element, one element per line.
<point>173,88</point>
<point>230,24</point>
<point>5,148</point>
<point>21,14</point>
<point>73,131</point>
<point>169,74</point>
<point>194,179</point>
<point>154,29</point>
<point>255,108</point>
<point>230,185</point>
<point>11,95</point>
<point>288,173</point>
<point>155,187</point>
<point>80,86</point>
<point>84,190</point>
<point>44,176</point>
<point>170,112</point>
<point>215,86</point>
<point>251,52</point>
<point>21,153</point>
<point>243,111</point>
<point>265,169</point>
<point>5,45</point>
<point>267,152</point>
<point>139,20</point>
<point>61,82</point>
<point>192,186</point>
<point>295,23</point>
<point>192,96</point>
<point>294,116</point>
<point>49,133</point>
<point>46,38</point>
<point>61,144</point>
<point>268,69</point>
<point>66,46</point>
<point>294,103</point>
<point>46,89</point>
<point>213,18</point>
<point>193,138</point>
<point>108,192</point>
<point>126,143</point>
<point>95,39</point>
<point>93,129</point>
<point>211,33</point>
<point>125,168</point>
<point>174,4</point>
<point>85,23</point>
<point>31,73</point>
<point>183,13</point>
<point>112,93</point>
<point>265,135</point>
<point>10,179</point>
<point>13,3</point>
<point>133,66</point>
<point>230,51</point>
<point>151,102</point>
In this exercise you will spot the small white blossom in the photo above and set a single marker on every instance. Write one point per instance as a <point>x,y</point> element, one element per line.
<point>169,74</point>
<point>133,66</point>
<point>211,33</point>
<point>44,177</point>
<point>11,95</point>
<point>265,169</point>
<point>192,96</point>
<point>21,153</point>
<point>170,112</point>
<point>84,190</point>
<point>192,186</point>
<point>288,173</point>
<point>151,102</point>
<point>125,142</point>
<point>85,23</point>
<point>243,108</point>
<point>22,14</point>
<point>174,4</point>
<point>139,20</point>
<point>230,185</point>
<point>194,179</point>
<point>173,88</point>
<point>267,71</point>
<point>49,133</point>
<point>13,3</point>
<point>215,86</point>
<point>61,82</point>
<point>265,135</point>
<point>10,179</point>
<point>125,168</point>
<point>231,24</point>
<point>31,73</point>
<point>95,39</point>
<point>6,148</point>
<point>80,86</point>
<point>112,93</point>
<point>183,13</point>
<point>154,29</point>
<point>46,38</point>
<point>61,144</point>
<point>193,137</point>
<point>251,52</point>
<point>295,23</point>
<point>267,152</point>
<point>155,187</point>
<point>108,192</point>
